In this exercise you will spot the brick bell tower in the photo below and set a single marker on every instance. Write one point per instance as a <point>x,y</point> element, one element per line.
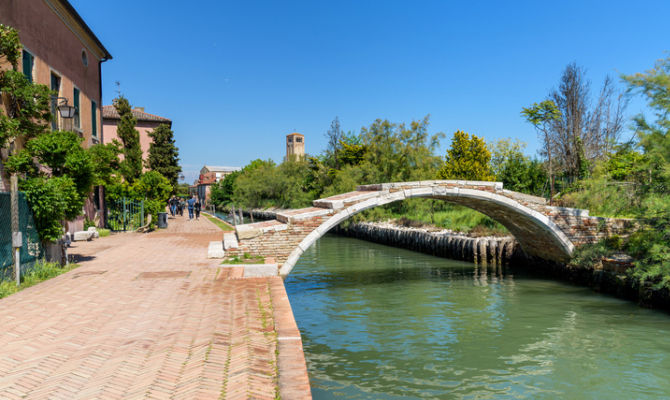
<point>295,145</point>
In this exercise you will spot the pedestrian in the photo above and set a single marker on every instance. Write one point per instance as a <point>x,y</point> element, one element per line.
<point>197,207</point>
<point>173,205</point>
<point>180,206</point>
<point>191,205</point>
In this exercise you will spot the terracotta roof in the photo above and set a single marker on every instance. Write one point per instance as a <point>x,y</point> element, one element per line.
<point>109,112</point>
<point>295,134</point>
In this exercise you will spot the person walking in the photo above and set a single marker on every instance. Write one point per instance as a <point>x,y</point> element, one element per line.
<point>173,205</point>
<point>197,207</point>
<point>180,206</point>
<point>191,206</point>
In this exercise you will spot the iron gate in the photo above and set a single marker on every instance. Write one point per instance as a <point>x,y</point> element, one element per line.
<point>125,214</point>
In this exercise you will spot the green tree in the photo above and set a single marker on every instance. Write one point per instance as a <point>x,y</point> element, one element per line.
<point>131,166</point>
<point>334,136</point>
<point>399,152</point>
<point>516,171</point>
<point>468,158</point>
<point>59,195</point>
<point>542,116</point>
<point>106,163</point>
<point>651,244</point>
<point>224,190</point>
<point>163,154</point>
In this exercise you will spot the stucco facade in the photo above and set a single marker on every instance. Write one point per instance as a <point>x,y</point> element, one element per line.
<point>145,124</point>
<point>61,52</point>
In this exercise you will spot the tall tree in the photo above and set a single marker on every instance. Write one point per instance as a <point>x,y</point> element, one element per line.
<point>468,158</point>
<point>584,132</point>
<point>543,116</point>
<point>163,154</point>
<point>131,166</point>
<point>334,136</point>
<point>654,136</point>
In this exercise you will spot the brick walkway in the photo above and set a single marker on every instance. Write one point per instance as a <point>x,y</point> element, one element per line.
<point>148,316</point>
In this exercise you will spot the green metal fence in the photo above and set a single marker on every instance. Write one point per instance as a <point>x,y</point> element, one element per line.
<point>31,251</point>
<point>125,214</point>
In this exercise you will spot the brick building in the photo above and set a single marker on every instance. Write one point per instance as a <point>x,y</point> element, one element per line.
<point>61,52</point>
<point>210,175</point>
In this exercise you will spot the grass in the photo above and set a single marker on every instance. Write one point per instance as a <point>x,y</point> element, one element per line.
<point>424,212</point>
<point>39,273</point>
<point>104,232</point>
<point>221,224</point>
<point>246,259</point>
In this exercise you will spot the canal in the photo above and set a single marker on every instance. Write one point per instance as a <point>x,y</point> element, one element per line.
<point>384,323</point>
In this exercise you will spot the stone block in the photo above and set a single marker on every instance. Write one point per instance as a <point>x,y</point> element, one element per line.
<point>83,235</point>
<point>215,250</point>
<point>230,241</point>
<point>259,270</point>
<point>247,232</point>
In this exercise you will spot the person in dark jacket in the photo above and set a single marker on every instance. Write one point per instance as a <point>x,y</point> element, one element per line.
<point>197,207</point>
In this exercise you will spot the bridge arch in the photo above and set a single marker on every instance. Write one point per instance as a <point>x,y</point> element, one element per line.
<point>535,231</point>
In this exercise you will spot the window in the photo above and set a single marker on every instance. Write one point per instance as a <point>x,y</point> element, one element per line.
<point>28,62</point>
<point>77,118</point>
<point>84,58</point>
<point>290,139</point>
<point>298,140</point>
<point>55,87</point>
<point>94,119</point>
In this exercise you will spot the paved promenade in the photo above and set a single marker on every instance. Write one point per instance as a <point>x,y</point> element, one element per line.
<point>148,316</point>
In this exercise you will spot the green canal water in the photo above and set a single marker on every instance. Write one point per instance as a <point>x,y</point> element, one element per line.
<point>384,323</point>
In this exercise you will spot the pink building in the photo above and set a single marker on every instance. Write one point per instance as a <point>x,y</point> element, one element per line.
<point>145,123</point>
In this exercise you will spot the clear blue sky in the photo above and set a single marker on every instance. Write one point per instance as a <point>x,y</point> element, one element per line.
<point>236,77</point>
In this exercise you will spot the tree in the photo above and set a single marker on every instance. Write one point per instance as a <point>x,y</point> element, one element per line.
<point>399,152</point>
<point>584,132</point>
<point>654,136</point>
<point>542,116</point>
<point>334,136</point>
<point>59,195</point>
<point>106,163</point>
<point>163,154</point>
<point>651,244</point>
<point>131,166</point>
<point>516,171</point>
<point>224,190</point>
<point>468,158</point>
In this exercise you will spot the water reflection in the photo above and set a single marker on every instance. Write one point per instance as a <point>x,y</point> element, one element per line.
<point>385,323</point>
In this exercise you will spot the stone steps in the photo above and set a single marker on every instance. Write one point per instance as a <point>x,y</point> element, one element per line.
<point>344,200</point>
<point>288,216</point>
<point>230,241</point>
<point>248,231</point>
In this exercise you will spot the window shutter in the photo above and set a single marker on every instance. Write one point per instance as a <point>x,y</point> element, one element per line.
<point>28,61</point>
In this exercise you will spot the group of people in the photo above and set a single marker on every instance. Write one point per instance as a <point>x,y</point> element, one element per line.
<point>177,205</point>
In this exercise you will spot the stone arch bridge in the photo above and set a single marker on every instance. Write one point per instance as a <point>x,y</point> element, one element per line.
<point>543,231</point>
